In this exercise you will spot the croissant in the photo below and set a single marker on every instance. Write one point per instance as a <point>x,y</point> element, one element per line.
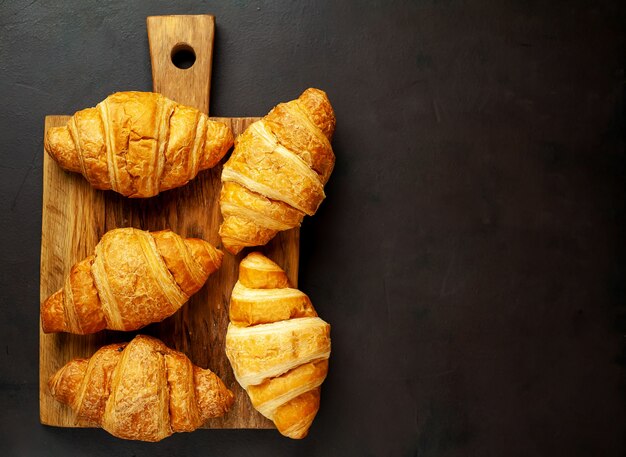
<point>141,390</point>
<point>277,171</point>
<point>277,346</point>
<point>133,278</point>
<point>138,143</point>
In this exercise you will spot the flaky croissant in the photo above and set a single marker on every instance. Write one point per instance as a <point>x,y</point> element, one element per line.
<point>138,143</point>
<point>140,391</point>
<point>277,171</point>
<point>277,346</point>
<point>133,278</point>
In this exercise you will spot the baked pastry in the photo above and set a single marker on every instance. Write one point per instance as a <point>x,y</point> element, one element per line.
<point>138,143</point>
<point>277,171</point>
<point>277,346</point>
<point>133,278</point>
<point>140,390</point>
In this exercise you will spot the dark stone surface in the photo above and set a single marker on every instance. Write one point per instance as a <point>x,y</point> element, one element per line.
<point>469,256</point>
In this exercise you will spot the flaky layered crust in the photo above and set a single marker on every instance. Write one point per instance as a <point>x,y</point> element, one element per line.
<point>277,346</point>
<point>265,351</point>
<point>133,279</point>
<point>140,391</point>
<point>254,306</point>
<point>138,143</point>
<point>277,171</point>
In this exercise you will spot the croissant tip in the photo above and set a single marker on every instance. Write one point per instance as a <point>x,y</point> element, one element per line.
<point>52,315</point>
<point>314,90</point>
<point>51,386</point>
<point>46,140</point>
<point>229,401</point>
<point>257,254</point>
<point>296,436</point>
<point>59,145</point>
<point>234,249</point>
<point>219,256</point>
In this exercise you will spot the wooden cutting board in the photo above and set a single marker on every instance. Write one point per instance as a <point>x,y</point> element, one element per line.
<point>75,216</point>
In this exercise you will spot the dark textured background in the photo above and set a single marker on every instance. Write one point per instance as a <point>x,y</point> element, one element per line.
<point>469,255</point>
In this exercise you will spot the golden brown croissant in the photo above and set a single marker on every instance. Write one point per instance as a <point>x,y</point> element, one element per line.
<point>134,278</point>
<point>277,346</point>
<point>138,143</point>
<point>277,171</point>
<point>141,390</point>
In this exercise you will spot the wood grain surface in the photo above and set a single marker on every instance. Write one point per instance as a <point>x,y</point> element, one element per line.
<point>166,35</point>
<point>75,216</point>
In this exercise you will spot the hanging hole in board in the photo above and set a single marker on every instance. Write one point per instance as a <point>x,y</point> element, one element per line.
<point>183,56</point>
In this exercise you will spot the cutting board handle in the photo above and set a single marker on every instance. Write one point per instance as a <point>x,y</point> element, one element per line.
<point>175,40</point>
